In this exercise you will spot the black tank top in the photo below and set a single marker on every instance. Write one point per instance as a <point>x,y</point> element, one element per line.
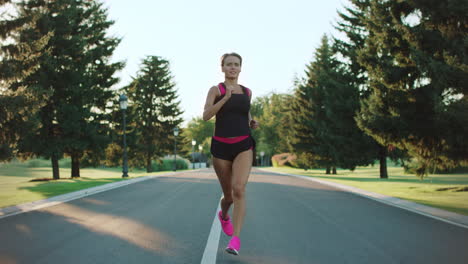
<point>232,119</point>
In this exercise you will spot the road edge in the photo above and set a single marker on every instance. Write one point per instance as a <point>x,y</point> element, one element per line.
<point>432,212</point>
<point>63,198</point>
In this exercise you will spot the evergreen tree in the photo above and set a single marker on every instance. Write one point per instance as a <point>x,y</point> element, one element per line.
<point>78,75</point>
<point>308,114</point>
<point>18,59</point>
<point>337,140</point>
<point>154,108</point>
<point>351,147</point>
<point>353,25</point>
<point>87,113</point>
<point>416,57</point>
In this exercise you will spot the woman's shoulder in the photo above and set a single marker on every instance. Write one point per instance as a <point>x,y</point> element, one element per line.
<point>248,90</point>
<point>215,89</point>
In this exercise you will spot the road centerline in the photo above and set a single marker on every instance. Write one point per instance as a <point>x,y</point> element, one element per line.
<point>211,249</point>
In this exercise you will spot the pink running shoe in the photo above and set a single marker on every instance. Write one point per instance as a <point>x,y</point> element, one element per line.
<point>228,229</point>
<point>234,246</point>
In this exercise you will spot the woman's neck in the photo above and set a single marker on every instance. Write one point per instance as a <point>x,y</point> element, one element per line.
<point>230,81</point>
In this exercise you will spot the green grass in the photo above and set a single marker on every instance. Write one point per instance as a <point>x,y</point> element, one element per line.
<point>400,185</point>
<point>16,186</point>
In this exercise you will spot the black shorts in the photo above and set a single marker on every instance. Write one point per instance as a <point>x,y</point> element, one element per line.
<point>226,151</point>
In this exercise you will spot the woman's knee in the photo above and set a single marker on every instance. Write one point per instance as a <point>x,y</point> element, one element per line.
<point>238,191</point>
<point>227,199</point>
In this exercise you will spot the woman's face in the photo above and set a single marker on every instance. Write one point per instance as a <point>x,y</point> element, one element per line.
<point>231,67</point>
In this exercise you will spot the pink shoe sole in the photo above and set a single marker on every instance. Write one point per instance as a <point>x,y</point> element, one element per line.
<point>234,246</point>
<point>232,251</point>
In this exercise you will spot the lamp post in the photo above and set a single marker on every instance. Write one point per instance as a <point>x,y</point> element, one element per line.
<point>261,161</point>
<point>193,157</point>
<point>176,133</point>
<point>123,101</point>
<point>200,148</point>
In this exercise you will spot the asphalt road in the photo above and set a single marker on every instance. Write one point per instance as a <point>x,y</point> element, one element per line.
<point>168,220</point>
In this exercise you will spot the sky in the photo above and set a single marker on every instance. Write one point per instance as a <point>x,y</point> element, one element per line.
<point>276,40</point>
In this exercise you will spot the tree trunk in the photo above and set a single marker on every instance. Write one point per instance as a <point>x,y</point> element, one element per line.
<point>334,170</point>
<point>403,164</point>
<point>149,168</point>
<point>383,162</point>
<point>55,167</point>
<point>75,169</point>
<point>328,170</point>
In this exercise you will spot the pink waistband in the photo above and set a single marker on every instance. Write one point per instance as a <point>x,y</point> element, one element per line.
<point>230,140</point>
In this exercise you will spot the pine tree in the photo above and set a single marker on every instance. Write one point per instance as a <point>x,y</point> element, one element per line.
<point>155,109</point>
<point>308,114</point>
<point>416,57</point>
<point>77,74</point>
<point>351,146</point>
<point>18,59</point>
<point>323,114</point>
<point>85,115</point>
<point>353,25</point>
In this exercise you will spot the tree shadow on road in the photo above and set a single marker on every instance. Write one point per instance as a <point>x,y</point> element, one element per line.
<point>137,222</point>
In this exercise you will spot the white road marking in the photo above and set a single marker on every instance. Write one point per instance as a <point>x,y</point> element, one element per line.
<point>211,249</point>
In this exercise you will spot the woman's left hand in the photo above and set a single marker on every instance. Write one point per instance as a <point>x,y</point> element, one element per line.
<point>254,124</point>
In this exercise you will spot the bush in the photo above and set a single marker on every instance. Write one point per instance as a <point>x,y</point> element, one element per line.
<point>46,163</point>
<point>168,165</point>
<point>456,170</point>
<point>113,155</point>
<point>415,167</point>
<point>63,163</point>
<point>34,163</point>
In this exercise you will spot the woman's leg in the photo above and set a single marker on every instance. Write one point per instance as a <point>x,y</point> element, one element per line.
<point>223,169</point>
<point>240,171</point>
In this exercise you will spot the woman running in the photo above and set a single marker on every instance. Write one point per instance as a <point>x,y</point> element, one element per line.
<point>232,145</point>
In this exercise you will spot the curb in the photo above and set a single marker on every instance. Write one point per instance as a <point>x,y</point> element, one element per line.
<point>435,213</point>
<point>26,207</point>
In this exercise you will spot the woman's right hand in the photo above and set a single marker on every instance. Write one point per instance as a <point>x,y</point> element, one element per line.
<point>211,109</point>
<point>229,90</point>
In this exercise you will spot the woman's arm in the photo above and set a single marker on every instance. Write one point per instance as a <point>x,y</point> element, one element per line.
<point>211,109</point>
<point>252,122</point>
